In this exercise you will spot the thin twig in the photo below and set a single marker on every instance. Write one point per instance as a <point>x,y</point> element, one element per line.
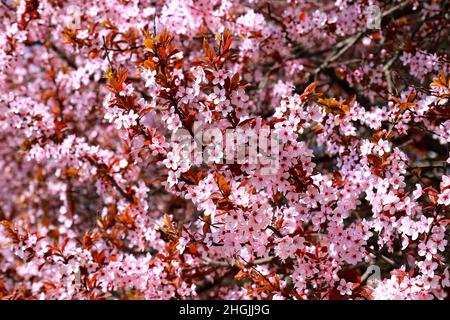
<point>219,263</point>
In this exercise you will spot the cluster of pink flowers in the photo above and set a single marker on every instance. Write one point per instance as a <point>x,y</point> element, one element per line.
<point>98,202</point>
<point>421,63</point>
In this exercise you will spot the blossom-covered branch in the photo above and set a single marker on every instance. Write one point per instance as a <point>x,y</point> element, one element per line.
<point>220,149</point>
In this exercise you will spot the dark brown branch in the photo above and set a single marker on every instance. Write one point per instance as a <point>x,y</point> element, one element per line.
<point>219,263</point>
<point>61,53</point>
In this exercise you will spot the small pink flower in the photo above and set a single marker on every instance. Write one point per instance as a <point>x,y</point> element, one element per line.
<point>345,288</point>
